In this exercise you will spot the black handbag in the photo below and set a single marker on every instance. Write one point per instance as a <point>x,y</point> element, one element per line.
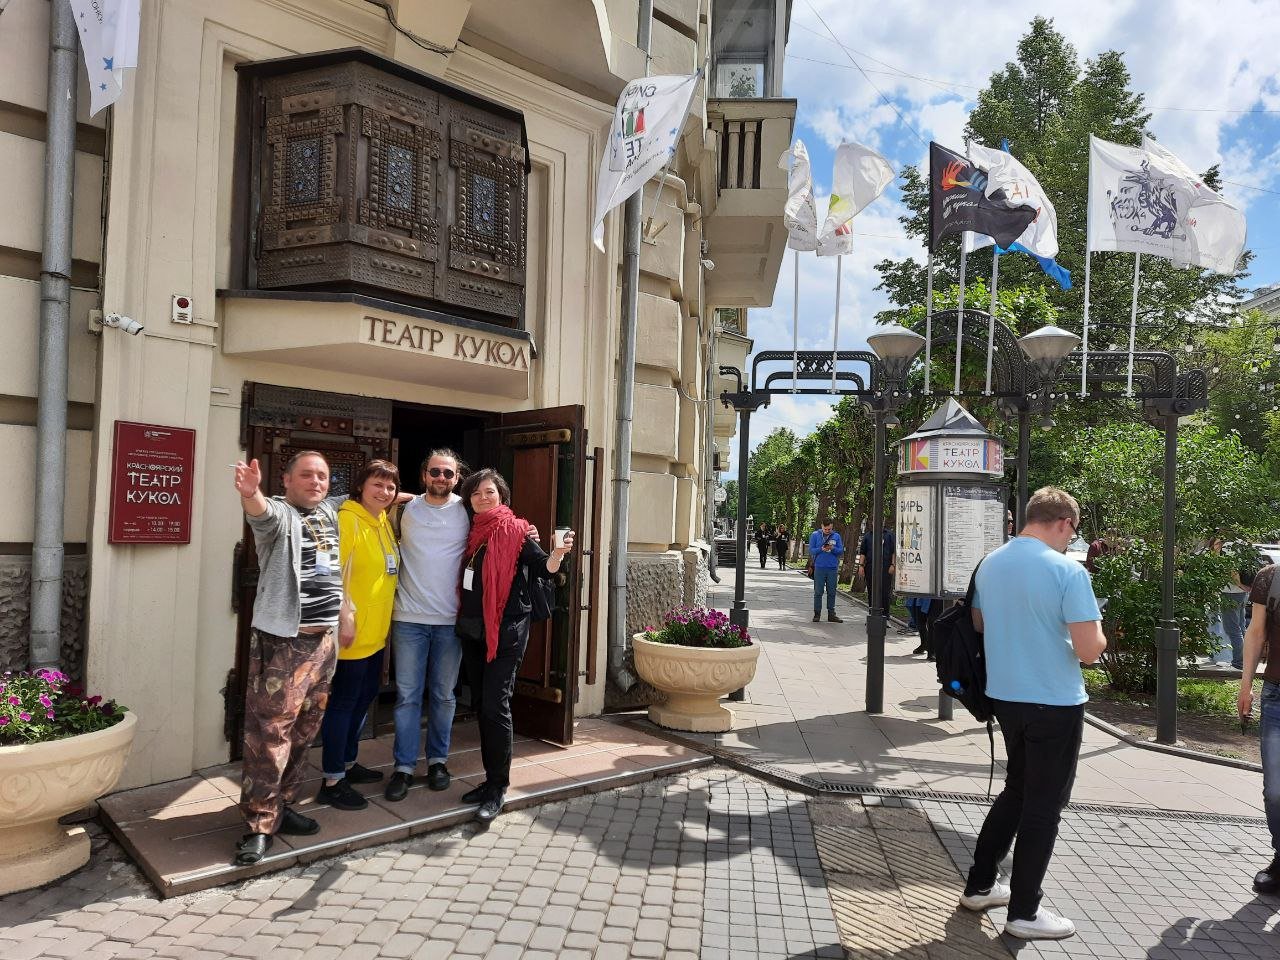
<point>542,598</point>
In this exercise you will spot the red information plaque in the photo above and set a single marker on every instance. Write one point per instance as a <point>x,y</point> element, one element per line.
<point>152,483</point>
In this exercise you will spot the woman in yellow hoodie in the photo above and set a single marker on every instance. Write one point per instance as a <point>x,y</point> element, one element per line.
<point>370,566</point>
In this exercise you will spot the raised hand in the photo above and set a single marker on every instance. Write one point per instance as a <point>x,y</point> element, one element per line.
<point>248,478</point>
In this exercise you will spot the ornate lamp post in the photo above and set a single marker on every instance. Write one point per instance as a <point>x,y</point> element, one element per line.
<point>1045,349</point>
<point>895,346</point>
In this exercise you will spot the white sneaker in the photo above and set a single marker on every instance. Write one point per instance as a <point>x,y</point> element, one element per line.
<point>997,896</point>
<point>1046,925</point>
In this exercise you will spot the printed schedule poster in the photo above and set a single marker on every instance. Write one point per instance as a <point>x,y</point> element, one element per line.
<point>917,549</point>
<point>972,526</point>
<point>152,479</point>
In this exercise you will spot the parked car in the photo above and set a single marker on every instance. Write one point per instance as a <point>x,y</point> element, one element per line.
<point>1078,549</point>
<point>1269,551</point>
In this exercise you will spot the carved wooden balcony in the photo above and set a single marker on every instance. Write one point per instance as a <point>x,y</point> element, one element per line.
<point>369,177</point>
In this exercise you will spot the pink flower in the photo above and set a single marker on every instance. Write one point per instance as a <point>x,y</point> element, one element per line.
<point>45,701</point>
<point>48,715</point>
<point>94,701</point>
<point>14,701</point>
<point>24,716</point>
<point>4,721</point>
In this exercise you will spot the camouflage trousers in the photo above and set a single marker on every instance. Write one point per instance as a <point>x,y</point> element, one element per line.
<point>288,688</point>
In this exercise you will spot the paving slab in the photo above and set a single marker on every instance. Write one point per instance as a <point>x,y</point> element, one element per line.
<point>183,833</point>
<point>805,715</point>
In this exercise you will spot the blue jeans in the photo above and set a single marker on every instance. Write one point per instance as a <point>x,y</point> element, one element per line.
<point>428,657</point>
<point>1271,759</point>
<point>355,684</point>
<point>824,578</point>
<point>1230,627</point>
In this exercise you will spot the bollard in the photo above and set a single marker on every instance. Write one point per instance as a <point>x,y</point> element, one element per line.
<point>946,705</point>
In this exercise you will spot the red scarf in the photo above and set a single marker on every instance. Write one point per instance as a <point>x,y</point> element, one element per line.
<point>502,534</point>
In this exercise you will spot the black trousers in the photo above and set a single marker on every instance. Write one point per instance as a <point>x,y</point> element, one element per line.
<point>1043,745</point>
<point>764,553</point>
<point>491,686</point>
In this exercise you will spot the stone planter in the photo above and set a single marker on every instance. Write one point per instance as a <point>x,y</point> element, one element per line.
<point>40,782</point>
<point>694,679</point>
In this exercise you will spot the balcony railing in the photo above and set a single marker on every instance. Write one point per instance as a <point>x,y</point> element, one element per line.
<point>745,129</point>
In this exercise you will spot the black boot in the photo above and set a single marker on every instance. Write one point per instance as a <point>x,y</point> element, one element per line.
<point>1268,880</point>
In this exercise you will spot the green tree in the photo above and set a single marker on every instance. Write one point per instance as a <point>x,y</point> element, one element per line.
<point>1115,471</point>
<point>1243,360</point>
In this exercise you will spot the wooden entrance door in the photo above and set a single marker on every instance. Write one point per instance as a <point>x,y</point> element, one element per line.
<point>275,423</point>
<point>542,453</point>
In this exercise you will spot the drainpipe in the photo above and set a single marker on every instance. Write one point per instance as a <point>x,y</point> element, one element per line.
<point>631,226</point>
<point>709,451</point>
<point>55,316</point>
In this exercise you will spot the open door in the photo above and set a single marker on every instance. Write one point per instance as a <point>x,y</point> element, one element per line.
<point>277,422</point>
<point>542,453</point>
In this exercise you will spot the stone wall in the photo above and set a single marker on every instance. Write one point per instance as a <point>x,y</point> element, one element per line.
<point>15,613</point>
<point>655,584</point>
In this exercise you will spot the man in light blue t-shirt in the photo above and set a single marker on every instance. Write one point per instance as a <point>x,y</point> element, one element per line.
<point>1041,620</point>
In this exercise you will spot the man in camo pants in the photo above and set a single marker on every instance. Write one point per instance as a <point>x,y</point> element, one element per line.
<point>293,649</point>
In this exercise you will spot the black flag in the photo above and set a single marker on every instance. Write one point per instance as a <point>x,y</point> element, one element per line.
<point>958,202</point>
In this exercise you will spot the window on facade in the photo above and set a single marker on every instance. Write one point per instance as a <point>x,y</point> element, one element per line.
<point>742,37</point>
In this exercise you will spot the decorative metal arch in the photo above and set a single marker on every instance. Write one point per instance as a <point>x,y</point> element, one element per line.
<point>1011,374</point>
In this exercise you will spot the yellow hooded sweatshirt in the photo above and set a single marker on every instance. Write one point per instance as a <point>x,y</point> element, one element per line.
<point>368,540</point>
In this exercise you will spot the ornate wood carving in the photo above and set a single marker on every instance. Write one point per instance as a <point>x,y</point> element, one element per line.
<point>373,178</point>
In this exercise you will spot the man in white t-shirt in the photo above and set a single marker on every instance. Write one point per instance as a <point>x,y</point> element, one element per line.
<point>433,538</point>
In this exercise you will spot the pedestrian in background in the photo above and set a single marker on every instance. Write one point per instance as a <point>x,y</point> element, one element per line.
<point>825,549</point>
<point>889,545</point>
<point>1041,621</point>
<point>781,544</point>
<point>762,543</point>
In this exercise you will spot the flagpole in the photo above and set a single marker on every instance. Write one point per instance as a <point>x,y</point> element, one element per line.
<point>1084,341</point>
<point>928,325</point>
<point>795,320</point>
<point>835,339</point>
<point>991,316</point>
<point>960,315</point>
<point>1133,318</point>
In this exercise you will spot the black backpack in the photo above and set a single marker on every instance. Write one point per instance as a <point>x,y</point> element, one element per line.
<point>962,666</point>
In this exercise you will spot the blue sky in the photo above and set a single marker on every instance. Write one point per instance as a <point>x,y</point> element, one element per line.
<point>1210,72</point>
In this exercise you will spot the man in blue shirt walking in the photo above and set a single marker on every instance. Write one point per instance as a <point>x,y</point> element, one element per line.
<point>825,548</point>
<point>1041,620</point>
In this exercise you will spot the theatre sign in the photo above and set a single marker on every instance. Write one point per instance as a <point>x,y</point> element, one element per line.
<point>346,334</point>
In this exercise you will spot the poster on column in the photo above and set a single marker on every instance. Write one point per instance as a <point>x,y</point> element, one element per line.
<point>917,540</point>
<point>972,526</point>
<point>152,481</point>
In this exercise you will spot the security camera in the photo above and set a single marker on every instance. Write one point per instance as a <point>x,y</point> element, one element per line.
<point>708,264</point>
<point>121,322</point>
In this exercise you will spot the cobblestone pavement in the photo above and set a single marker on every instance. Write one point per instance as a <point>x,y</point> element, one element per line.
<point>712,864</point>
<point>1151,887</point>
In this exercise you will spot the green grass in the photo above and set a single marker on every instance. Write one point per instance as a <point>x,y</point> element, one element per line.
<point>1195,695</point>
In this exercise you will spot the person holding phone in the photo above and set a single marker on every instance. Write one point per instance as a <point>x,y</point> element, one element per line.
<point>493,620</point>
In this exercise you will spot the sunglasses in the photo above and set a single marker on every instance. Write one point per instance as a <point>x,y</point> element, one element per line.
<point>438,472</point>
<point>1075,527</point>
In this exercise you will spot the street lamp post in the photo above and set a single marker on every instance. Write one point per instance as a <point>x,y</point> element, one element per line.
<point>1046,349</point>
<point>896,347</point>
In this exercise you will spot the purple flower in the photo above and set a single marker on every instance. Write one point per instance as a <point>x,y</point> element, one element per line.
<point>45,701</point>
<point>14,701</point>
<point>48,715</point>
<point>108,709</point>
<point>4,721</point>
<point>24,716</point>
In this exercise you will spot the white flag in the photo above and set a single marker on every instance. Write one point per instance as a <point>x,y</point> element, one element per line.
<point>799,213</point>
<point>858,176</point>
<point>1005,172</point>
<point>1146,200</point>
<point>109,37</point>
<point>642,139</point>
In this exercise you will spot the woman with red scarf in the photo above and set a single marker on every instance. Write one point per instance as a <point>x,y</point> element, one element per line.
<point>493,621</point>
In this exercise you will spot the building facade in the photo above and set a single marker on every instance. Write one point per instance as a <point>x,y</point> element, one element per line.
<point>365,228</point>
